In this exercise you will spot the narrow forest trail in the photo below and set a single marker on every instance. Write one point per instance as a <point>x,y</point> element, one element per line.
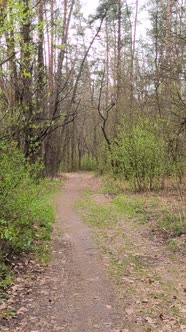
<point>74,293</point>
<point>88,302</point>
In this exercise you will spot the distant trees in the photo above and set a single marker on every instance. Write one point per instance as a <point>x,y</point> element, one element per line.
<point>141,80</point>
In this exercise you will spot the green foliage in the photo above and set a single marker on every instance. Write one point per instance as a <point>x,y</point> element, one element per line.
<point>178,158</point>
<point>130,206</point>
<point>25,215</point>
<point>114,185</point>
<point>88,163</point>
<point>173,224</point>
<point>140,156</point>
<point>138,208</point>
<point>97,215</point>
<point>142,208</point>
<point>104,160</point>
<point>5,275</point>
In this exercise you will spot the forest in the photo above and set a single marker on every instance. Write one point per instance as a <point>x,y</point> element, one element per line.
<point>101,93</point>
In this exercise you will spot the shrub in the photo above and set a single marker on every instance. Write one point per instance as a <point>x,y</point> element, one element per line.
<point>140,156</point>
<point>104,165</point>
<point>25,218</point>
<point>88,163</point>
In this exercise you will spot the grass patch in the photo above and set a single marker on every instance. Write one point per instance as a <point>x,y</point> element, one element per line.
<point>87,192</point>
<point>135,207</point>
<point>145,207</point>
<point>114,186</point>
<point>174,224</point>
<point>44,211</point>
<point>97,215</point>
<point>121,267</point>
<point>142,209</point>
<point>6,276</point>
<point>130,206</point>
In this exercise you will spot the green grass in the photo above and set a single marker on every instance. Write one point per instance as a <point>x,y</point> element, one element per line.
<point>137,208</point>
<point>87,192</point>
<point>43,210</point>
<point>114,186</point>
<point>96,214</point>
<point>144,207</point>
<point>6,276</point>
<point>130,206</point>
<point>173,224</point>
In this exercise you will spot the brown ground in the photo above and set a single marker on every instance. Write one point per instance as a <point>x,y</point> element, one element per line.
<point>73,294</point>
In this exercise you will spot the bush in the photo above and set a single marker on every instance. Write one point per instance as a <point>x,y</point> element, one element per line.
<point>88,163</point>
<point>25,218</point>
<point>140,156</point>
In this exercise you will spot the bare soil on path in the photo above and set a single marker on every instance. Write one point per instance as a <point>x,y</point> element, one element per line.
<point>73,293</point>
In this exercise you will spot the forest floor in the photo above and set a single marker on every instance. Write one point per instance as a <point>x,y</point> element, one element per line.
<point>106,273</point>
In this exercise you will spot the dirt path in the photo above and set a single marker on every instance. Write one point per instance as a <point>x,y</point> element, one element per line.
<point>88,294</point>
<point>74,293</point>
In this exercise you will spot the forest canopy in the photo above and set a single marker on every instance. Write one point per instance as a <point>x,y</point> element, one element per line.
<point>69,82</point>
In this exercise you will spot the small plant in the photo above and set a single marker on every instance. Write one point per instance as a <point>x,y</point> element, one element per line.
<point>173,224</point>
<point>5,275</point>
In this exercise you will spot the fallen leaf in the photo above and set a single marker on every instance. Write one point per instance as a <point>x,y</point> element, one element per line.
<point>129,311</point>
<point>161,317</point>
<point>144,301</point>
<point>149,320</point>
<point>22,311</point>
<point>3,306</point>
<point>108,306</point>
<point>96,326</point>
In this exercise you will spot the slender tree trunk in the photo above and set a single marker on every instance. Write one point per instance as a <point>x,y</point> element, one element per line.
<point>26,76</point>
<point>51,47</point>
<point>107,64</point>
<point>119,74</point>
<point>40,83</point>
<point>168,42</point>
<point>133,56</point>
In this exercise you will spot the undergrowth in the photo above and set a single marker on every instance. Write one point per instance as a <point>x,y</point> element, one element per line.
<point>26,211</point>
<point>130,259</point>
<point>147,206</point>
<point>95,214</point>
